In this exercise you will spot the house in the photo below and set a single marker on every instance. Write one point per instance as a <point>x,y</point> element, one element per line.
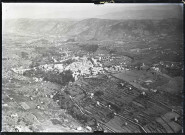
<point>24,106</point>
<point>153,90</point>
<point>156,69</point>
<point>148,81</point>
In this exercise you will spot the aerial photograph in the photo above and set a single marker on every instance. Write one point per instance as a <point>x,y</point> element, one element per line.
<point>73,67</point>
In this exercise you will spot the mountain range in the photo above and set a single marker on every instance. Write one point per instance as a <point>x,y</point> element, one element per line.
<point>95,28</point>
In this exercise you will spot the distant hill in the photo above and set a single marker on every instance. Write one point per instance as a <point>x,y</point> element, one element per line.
<point>36,26</point>
<point>95,29</point>
<point>104,29</point>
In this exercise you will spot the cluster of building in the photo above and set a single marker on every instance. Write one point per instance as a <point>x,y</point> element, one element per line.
<point>54,67</point>
<point>116,68</point>
<point>166,64</point>
<point>82,66</point>
<point>104,58</point>
<point>19,70</point>
<point>85,67</point>
<point>169,64</point>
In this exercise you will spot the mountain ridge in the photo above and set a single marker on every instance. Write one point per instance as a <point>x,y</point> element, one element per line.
<point>95,28</point>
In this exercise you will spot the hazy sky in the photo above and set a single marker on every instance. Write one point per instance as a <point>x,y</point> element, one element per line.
<point>75,10</point>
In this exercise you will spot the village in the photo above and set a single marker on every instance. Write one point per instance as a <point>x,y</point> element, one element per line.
<point>101,93</point>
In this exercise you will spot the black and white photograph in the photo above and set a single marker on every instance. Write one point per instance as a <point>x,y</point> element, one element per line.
<point>85,67</point>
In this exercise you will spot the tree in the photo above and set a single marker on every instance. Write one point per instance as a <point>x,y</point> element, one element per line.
<point>63,78</point>
<point>67,77</point>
